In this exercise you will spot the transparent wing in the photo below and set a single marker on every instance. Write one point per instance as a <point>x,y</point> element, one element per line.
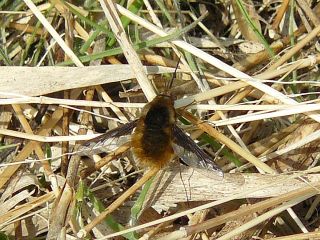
<point>109,140</point>
<point>191,154</point>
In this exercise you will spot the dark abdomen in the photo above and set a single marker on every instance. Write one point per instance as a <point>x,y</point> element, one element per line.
<point>155,141</point>
<point>152,147</point>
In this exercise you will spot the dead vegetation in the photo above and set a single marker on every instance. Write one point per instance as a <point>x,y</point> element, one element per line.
<point>246,87</point>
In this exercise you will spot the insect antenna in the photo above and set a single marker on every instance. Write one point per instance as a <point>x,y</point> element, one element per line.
<point>170,83</point>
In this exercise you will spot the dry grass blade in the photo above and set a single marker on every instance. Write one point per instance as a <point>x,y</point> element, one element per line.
<point>266,216</point>
<point>83,232</point>
<point>9,171</point>
<point>111,13</point>
<point>232,145</point>
<point>201,184</point>
<point>232,215</point>
<point>11,215</point>
<point>246,30</point>
<point>301,236</point>
<point>53,32</point>
<point>62,78</point>
<point>39,138</point>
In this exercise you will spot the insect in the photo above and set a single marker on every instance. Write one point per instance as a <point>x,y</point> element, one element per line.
<point>156,138</point>
<point>153,141</point>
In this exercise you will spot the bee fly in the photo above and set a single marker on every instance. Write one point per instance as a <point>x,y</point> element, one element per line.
<point>156,138</point>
